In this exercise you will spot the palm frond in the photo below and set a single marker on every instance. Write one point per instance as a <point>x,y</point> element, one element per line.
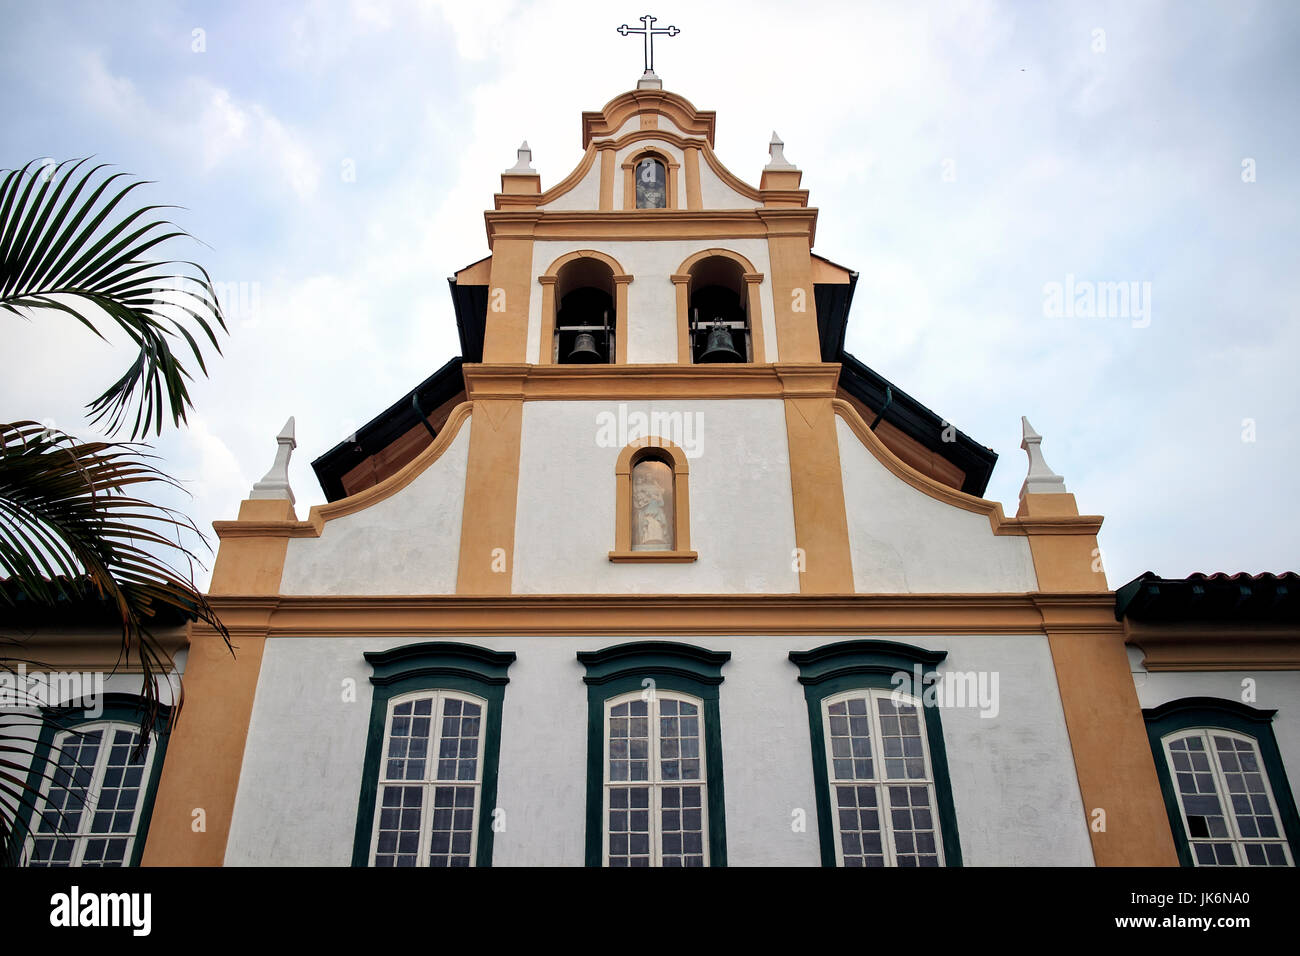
<point>76,246</point>
<point>73,527</point>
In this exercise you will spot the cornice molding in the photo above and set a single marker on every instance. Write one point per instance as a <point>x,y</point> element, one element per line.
<point>860,615</point>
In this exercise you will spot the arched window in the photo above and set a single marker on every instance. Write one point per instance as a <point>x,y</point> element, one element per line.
<point>719,326</point>
<point>1224,783</point>
<point>879,765</point>
<point>656,790</point>
<point>654,756</point>
<point>651,176</point>
<point>429,782</point>
<point>882,788</point>
<point>652,504</point>
<point>96,786</point>
<point>585,318</point>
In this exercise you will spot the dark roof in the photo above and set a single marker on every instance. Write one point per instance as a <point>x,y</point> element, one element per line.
<point>80,605</point>
<point>470,303</point>
<point>1258,598</point>
<point>916,421</point>
<point>386,427</point>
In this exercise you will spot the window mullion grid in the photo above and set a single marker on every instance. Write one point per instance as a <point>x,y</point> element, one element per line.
<point>882,777</point>
<point>85,820</point>
<point>430,779</point>
<point>1225,799</point>
<point>655,778</point>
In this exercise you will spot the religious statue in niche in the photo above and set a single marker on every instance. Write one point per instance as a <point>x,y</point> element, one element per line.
<point>652,506</point>
<point>651,185</point>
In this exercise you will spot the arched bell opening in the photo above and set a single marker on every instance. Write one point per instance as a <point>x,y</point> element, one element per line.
<point>585,317</point>
<point>719,320</point>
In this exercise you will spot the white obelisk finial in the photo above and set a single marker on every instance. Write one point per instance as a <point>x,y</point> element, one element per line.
<point>275,483</point>
<point>1041,480</point>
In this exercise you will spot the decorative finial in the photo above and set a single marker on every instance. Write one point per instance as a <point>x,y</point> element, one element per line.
<point>523,161</point>
<point>776,150</point>
<point>1041,480</point>
<point>275,483</point>
<point>648,79</point>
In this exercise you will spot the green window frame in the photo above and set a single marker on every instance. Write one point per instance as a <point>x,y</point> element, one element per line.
<point>833,670</point>
<point>119,712</point>
<point>445,671</point>
<point>1190,714</point>
<point>626,671</point>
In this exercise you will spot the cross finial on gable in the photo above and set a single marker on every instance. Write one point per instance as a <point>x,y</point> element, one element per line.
<point>648,33</point>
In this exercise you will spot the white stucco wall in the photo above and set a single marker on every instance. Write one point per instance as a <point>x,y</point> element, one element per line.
<point>1273,690</point>
<point>741,509</point>
<point>904,541</point>
<point>584,195</point>
<point>716,194</point>
<point>651,296</point>
<point>409,543</point>
<point>1014,787</point>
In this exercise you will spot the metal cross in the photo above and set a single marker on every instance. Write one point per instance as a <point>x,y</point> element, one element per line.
<point>649,30</point>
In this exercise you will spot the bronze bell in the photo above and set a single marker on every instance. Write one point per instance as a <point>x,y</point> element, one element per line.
<point>584,350</point>
<point>719,347</point>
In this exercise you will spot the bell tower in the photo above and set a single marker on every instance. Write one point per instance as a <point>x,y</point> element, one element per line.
<point>650,251</point>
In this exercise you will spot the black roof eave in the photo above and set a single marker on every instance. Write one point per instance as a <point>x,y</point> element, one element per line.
<point>1241,598</point>
<point>918,422</point>
<point>386,427</point>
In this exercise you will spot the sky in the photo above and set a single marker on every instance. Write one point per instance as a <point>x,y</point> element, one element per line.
<point>970,160</point>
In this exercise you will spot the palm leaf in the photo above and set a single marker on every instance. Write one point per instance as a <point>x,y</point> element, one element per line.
<point>72,527</point>
<point>93,256</point>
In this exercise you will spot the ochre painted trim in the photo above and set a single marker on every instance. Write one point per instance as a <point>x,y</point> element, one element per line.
<point>505,336</point>
<point>679,110</point>
<point>1112,755</point>
<point>320,514</point>
<point>607,161</point>
<point>682,297</point>
<point>627,459</point>
<point>666,614</point>
<point>754,301</point>
<point>546,344</point>
<point>1205,646</point>
<point>597,225</point>
<point>206,752</point>
<point>621,282</point>
<point>821,525</point>
<point>794,304</point>
<point>653,557</point>
<point>606,382</point>
<point>694,199</point>
<point>487,536</point>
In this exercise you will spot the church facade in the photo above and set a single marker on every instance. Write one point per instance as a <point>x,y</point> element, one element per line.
<point>655,573</point>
